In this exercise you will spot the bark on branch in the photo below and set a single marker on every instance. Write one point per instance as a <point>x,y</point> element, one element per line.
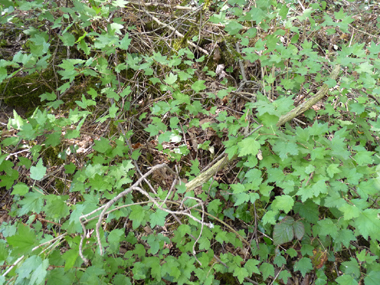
<point>203,177</point>
<point>309,103</point>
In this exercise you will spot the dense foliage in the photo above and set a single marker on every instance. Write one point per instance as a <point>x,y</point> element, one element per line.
<point>199,142</point>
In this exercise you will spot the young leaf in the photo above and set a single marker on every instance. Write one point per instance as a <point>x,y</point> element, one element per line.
<point>240,273</point>
<point>198,86</point>
<point>158,218</point>
<point>283,202</point>
<point>20,189</point>
<point>170,79</point>
<point>102,145</point>
<point>303,265</point>
<point>251,266</point>
<point>267,270</point>
<point>248,146</point>
<point>38,172</point>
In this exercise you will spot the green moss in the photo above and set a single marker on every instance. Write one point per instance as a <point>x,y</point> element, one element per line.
<point>22,92</point>
<point>226,278</point>
<point>60,186</point>
<point>260,209</point>
<point>51,156</point>
<point>149,157</point>
<point>113,129</point>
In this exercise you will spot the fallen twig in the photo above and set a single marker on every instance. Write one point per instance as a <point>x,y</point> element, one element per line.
<point>309,103</point>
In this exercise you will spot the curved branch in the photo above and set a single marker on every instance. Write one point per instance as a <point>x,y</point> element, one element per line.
<point>309,103</point>
<point>206,175</point>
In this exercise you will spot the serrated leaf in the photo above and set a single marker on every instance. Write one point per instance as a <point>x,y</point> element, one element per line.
<point>328,227</point>
<point>307,210</point>
<point>238,188</point>
<point>299,229</point>
<point>57,276</point>
<point>304,265</point>
<point>53,139</point>
<point>23,241</point>
<point>183,76</point>
<point>333,169</point>
<point>48,96</point>
<point>292,252</point>
<point>346,280</point>
<point>70,168</point>
<point>198,86</point>
<point>351,267</point>
<point>114,240</point>
<point>267,270</point>
<point>222,93</point>
<point>283,12</point>
<point>233,27</point>
<point>32,202</point>
<point>283,202</point>
<point>349,211</point>
<point>91,275</point>
<point>20,189</point>
<point>28,266</point>
<point>38,275</point>
<point>368,224</point>
<point>38,172</point>
<point>70,258</point>
<point>372,278</point>
<point>248,146</point>
<point>270,217</point>
<point>57,207</point>
<point>170,79</point>
<point>214,205</point>
<point>67,39</point>
<point>137,215</point>
<point>241,198</point>
<point>120,3</point>
<point>154,263</point>
<point>284,275</point>
<point>102,145</point>
<point>309,169</point>
<point>251,266</point>
<point>283,231</point>
<point>240,273</point>
<point>283,148</point>
<point>253,177</point>
<point>158,218</point>
<point>153,243</point>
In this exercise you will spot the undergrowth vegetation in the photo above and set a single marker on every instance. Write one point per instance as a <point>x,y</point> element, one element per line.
<point>189,142</point>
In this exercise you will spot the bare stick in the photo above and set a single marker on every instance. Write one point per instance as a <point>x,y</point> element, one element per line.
<point>241,65</point>
<point>177,33</point>
<point>161,5</point>
<point>206,175</point>
<point>185,212</point>
<point>309,103</point>
<point>41,245</point>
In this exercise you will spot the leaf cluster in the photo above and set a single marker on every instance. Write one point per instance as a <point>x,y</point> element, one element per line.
<point>298,196</point>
